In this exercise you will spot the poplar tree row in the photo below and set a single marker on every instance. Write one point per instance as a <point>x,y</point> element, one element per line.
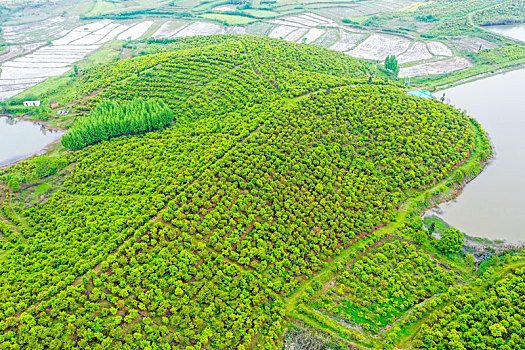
<point>110,119</point>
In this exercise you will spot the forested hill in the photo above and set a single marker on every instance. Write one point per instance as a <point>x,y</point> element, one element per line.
<point>220,74</point>
<point>282,160</point>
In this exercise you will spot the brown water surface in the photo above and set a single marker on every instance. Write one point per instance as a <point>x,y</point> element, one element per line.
<point>493,204</point>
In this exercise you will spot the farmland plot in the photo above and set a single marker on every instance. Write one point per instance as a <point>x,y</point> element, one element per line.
<point>259,28</point>
<point>101,35</point>
<point>64,50</point>
<point>13,51</point>
<point>236,30</point>
<point>305,20</point>
<point>168,30</point>
<point>11,87</point>
<point>281,31</point>
<point>346,40</point>
<point>42,30</point>
<point>438,67</point>
<point>45,59</point>
<point>347,11</point>
<point>296,34</point>
<point>319,19</point>
<point>329,38</point>
<point>135,31</point>
<point>283,22</point>
<point>378,46</point>
<point>34,65</point>
<point>199,28</point>
<point>16,73</point>
<point>472,44</point>
<point>312,35</point>
<point>417,52</point>
<point>225,8</point>
<point>439,49</point>
<point>4,95</point>
<point>49,61</point>
<point>302,21</point>
<point>83,32</point>
<point>117,29</point>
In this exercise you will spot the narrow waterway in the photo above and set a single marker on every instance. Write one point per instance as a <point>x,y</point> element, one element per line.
<point>20,139</point>
<point>493,204</point>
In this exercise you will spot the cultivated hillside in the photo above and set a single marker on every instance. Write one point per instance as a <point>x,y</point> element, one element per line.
<point>284,162</point>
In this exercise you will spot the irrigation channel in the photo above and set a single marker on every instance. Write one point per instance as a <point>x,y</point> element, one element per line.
<point>493,204</point>
<point>20,139</point>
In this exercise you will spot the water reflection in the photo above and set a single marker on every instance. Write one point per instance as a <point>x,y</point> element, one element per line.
<point>514,31</point>
<point>8,121</point>
<point>20,139</point>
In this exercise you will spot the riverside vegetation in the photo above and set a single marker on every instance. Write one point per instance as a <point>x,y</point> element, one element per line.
<point>278,192</point>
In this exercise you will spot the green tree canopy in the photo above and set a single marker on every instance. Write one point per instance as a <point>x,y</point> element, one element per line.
<point>451,241</point>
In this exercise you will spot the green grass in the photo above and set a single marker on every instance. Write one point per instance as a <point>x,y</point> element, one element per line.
<point>42,189</point>
<point>261,13</point>
<point>260,28</point>
<point>108,53</point>
<point>415,6</point>
<point>229,19</point>
<point>360,19</point>
<point>205,6</point>
<point>101,7</point>
<point>440,225</point>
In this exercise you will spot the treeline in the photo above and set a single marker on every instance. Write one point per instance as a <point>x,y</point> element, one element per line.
<point>109,119</point>
<point>506,13</point>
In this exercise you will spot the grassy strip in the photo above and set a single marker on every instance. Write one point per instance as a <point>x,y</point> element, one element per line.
<point>229,19</point>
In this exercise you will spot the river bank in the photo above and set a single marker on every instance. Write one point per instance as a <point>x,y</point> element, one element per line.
<point>21,138</point>
<point>475,77</point>
<point>491,205</point>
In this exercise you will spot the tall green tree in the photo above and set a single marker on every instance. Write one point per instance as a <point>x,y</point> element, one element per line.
<point>451,241</point>
<point>391,64</point>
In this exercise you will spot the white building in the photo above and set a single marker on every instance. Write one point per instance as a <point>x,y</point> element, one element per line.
<point>31,103</point>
